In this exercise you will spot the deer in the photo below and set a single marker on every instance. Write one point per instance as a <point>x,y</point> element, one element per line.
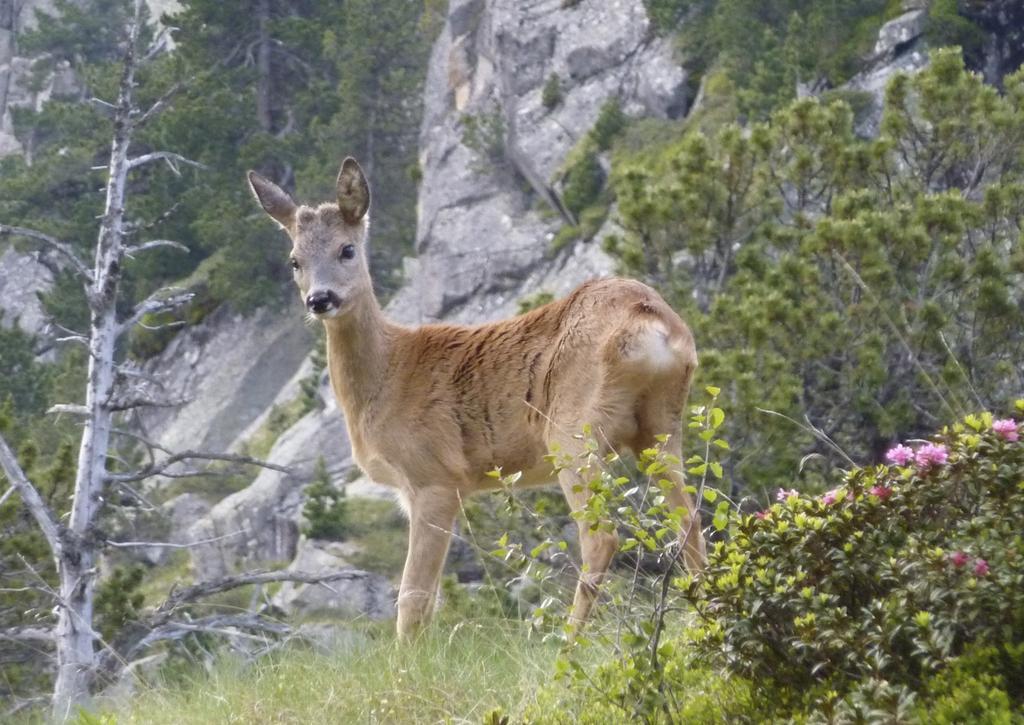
<point>432,410</point>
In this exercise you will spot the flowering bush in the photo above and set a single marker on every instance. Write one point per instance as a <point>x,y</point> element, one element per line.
<point>849,604</point>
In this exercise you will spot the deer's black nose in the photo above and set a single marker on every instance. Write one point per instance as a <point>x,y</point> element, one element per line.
<point>322,301</point>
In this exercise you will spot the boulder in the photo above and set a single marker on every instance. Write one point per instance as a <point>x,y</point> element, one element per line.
<point>181,513</point>
<point>22,278</point>
<point>367,595</point>
<point>898,33</point>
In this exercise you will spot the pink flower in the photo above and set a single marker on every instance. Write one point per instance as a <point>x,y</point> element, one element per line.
<point>958,559</point>
<point>1007,428</point>
<point>900,455</point>
<point>883,492</point>
<point>981,567</point>
<point>761,515</point>
<point>831,497</point>
<point>931,454</point>
<point>782,494</point>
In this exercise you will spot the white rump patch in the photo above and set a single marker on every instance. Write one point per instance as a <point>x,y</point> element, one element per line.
<point>654,345</point>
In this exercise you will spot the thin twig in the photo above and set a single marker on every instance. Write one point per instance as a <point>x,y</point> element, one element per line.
<point>168,545</point>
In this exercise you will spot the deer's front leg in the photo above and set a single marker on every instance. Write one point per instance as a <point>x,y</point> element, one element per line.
<point>431,517</point>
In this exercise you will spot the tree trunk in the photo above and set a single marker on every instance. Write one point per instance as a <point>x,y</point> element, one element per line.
<point>76,657</point>
<point>263,85</point>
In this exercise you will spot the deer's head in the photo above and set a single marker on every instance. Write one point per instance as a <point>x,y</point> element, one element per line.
<point>328,256</point>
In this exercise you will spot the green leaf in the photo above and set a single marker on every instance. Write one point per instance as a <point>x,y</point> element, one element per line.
<point>713,391</point>
<point>716,469</point>
<point>710,494</point>
<point>717,417</point>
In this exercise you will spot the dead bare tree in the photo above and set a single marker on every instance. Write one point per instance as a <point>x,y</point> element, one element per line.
<point>74,541</point>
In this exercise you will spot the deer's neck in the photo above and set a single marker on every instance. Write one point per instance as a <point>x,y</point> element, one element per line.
<point>358,349</point>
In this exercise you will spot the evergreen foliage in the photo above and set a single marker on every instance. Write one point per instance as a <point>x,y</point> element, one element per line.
<point>325,509</point>
<point>871,286</point>
<point>768,47</point>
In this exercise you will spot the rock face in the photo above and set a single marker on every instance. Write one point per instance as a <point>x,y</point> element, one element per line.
<point>261,522</point>
<point>365,596</point>
<point>1003,21</point>
<point>483,237</point>
<point>230,368</point>
<point>16,87</point>
<point>22,277</point>
<point>900,48</point>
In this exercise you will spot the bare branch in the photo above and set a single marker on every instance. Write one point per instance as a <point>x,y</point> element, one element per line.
<point>139,401</point>
<point>7,495</point>
<point>63,247</point>
<point>222,624</point>
<point>69,408</point>
<point>105,105</point>
<point>133,250</point>
<point>192,593</point>
<point>161,103</point>
<point>161,467</point>
<point>160,626</point>
<point>172,160</point>
<point>156,304</point>
<point>27,634</point>
<point>33,501</point>
<point>168,545</point>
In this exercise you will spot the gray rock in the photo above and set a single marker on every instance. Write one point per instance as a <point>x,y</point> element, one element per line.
<point>22,278</point>
<point>368,596</point>
<point>182,512</point>
<point>261,522</point>
<point>874,81</point>
<point>899,49</point>
<point>483,239</point>
<point>230,368</point>
<point>899,32</point>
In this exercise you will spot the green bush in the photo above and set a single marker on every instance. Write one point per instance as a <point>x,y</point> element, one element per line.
<point>854,600</point>
<point>611,122</point>
<point>946,26</point>
<point>583,183</point>
<point>326,507</point>
<point>551,95</point>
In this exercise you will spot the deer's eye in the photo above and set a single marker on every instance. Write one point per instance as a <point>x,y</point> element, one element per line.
<point>294,263</point>
<point>348,251</point>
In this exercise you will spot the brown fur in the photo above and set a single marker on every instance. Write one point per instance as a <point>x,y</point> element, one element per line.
<point>431,410</point>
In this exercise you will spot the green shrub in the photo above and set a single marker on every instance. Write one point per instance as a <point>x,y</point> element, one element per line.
<point>855,599</point>
<point>976,688</point>
<point>326,507</point>
<point>947,27</point>
<point>611,122</point>
<point>484,134</point>
<point>532,302</point>
<point>583,183</point>
<point>119,600</point>
<point>551,95</point>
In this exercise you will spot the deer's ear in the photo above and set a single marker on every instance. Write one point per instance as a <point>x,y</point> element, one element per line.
<point>353,191</point>
<point>274,200</point>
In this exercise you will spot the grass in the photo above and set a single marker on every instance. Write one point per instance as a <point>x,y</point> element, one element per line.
<point>453,673</point>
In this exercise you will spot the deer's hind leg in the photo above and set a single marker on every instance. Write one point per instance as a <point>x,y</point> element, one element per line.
<point>431,519</point>
<point>598,543</point>
<point>662,415</point>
